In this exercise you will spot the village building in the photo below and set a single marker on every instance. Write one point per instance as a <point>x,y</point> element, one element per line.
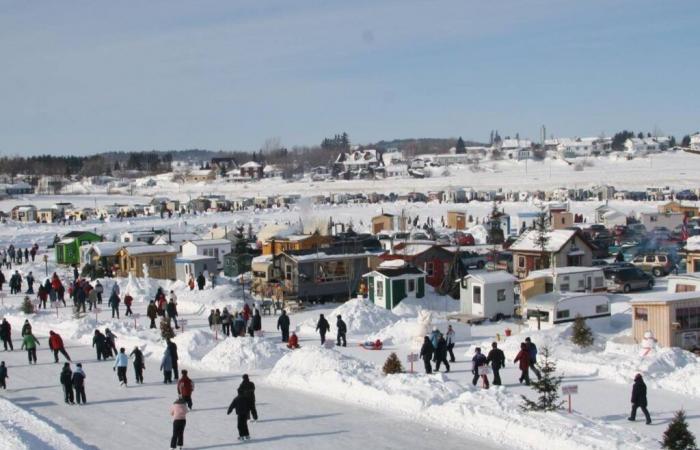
<point>68,248</point>
<point>563,248</point>
<point>456,220</point>
<point>546,310</point>
<point>692,248</point>
<point>190,267</point>
<point>251,170</point>
<point>433,259</point>
<point>388,222</point>
<point>488,294</point>
<point>292,242</point>
<point>394,281</point>
<point>678,207</point>
<point>670,220</point>
<point>158,260</point>
<point>24,213</point>
<point>673,318</point>
<point>562,279</point>
<point>215,248</point>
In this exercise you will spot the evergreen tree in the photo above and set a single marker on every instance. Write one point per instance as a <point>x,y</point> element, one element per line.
<point>547,387</point>
<point>166,330</point>
<point>460,148</point>
<point>392,365</point>
<point>640,135</point>
<point>677,436</point>
<point>581,333</point>
<point>686,141</point>
<point>672,142</point>
<point>27,305</point>
<point>495,235</point>
<point>542,237</point>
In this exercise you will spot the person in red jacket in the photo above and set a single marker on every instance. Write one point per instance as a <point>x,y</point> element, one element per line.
<point>523,358</point>
<point>128,300</point>
<point>293,341</point>
<point>56,344</point>
<point>185,387</point>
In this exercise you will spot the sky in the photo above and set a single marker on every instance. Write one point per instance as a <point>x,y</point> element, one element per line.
<point>84,77</point>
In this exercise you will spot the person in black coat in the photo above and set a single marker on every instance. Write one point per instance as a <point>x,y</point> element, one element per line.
<point>323,327</point>
<point>639,399</point>
<point>256,323</point>
<point>67,383</point>
<point>171,310</point>
<point>497,359</point>
<point>242,408</point>
<point>283,326</point>
<point>342,331</point>
<point>6,334</point>
<point>441,354</point>
<point>172,348</point>
<point>100,344</point>
<point>78,381</point>
<point>201,281</point>
<point>426,353</point>
<point>247,389</point>
<point>139,365</point>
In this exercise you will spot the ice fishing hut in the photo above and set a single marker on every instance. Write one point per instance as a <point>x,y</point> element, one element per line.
<point>560,307</point>
<point>394,281</point>
<point>488,294</point>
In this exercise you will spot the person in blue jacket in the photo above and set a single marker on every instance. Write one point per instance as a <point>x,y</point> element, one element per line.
<point>434,338</point>
<point>120,365</point>
<point>532,351</point>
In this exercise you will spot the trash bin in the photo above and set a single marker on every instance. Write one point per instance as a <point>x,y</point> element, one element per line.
<point>508,332</point>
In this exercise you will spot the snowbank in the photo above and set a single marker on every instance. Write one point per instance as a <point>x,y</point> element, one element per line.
<point>492,414</point>
<point>361,316</point>
<point>235,354</point>
<point>21,430</point>
<point>400,333</point>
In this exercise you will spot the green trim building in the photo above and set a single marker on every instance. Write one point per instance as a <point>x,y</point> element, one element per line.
<point>68,248</point>
<point>387,286</point>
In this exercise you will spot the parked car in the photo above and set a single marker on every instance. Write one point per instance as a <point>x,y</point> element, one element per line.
<point>473,260</point>
<point>465,239</point>
<point>627,279</point>
<point>658,264</point>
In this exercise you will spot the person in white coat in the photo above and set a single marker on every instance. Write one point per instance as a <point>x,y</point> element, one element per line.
<point>120,365</point>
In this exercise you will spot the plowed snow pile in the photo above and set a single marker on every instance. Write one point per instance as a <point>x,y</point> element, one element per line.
<point>361,316</point>
<point>234,354</point>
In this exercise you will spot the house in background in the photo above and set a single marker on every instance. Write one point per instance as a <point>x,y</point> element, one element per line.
<point>104,254</point>
<point>292,242</point>
<point>159,260</point>
<point>68,248</point>
<point>177,240</point>
<point>394,281</point>
<point>488,294</point>
<point>550,309</point>
<point>652,220</point>
<point>563,248</point>
<point>215,248</point>
<point>456,220</point>
<point>251,170</point>
<point>678,207</point>
<point>388,222</point>
<point>433,259</point>
<point>562,279</point>
<point>187,267</point>
<point>147,236</point>
<point>200,175</point>
<point>692,248</point>
<point>695,142</point>
<point>672,317</point>
<point>24,213</point>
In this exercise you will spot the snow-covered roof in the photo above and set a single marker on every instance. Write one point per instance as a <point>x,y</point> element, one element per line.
<point>322,256</point>
<point>262,259</point>
<point>111,248</point>
<point>205,242</point>
<point>665,297</point>
<point>527,242</point>
<point>251,165</point>
<point>146,249</point>
<point>176,237</point>
<point>516,143</point>
<point>693,244</point>
<point>194,258</point>
<point>497,276</point>
<point>569,270</point>
<point>552,299</point>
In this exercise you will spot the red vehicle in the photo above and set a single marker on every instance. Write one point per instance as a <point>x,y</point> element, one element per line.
<point>464,239</point>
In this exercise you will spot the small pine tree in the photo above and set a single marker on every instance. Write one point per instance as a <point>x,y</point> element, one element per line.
<point>27,305</point>
<point>166,331</point>
<point>542,237</point>
<point>581,333</point>
<point>677,436</point>
<point>392,365</point>
<point>547,387</point>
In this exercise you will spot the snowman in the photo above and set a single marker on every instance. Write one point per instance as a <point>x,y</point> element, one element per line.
<point>648,343</point>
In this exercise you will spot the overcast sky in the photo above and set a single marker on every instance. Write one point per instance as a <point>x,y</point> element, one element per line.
<point>80,77</point>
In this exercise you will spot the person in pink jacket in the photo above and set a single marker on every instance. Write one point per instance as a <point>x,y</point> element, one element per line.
<point>179,412</point>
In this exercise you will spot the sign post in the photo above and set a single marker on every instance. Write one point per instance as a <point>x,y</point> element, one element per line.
<point>569,390</point>
<point>135,317</point>
<point>97,311</point>
<point>182,325</point>
<point>411,358</point>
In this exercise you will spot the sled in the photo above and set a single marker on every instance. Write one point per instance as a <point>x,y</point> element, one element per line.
<point>377,345</point>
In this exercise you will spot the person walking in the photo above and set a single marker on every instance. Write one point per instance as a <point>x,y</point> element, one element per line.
<point>29,342</point>
<point>497,359</point>
<point>247,389</point>
<point>450,339</point>
<point>225,322</point>
<point>99,342</point>
<point>283,325</point>
<point>322,327</point>
<point>240,405</point>
<point>56,344</point>
<point>178,411</point>
<point>6,334</point>
<point>171,311</point>
<point>342,331</point>
<point>78,381</point>
<point>92,298</point>
<point>67,383</point>
<point>434,337</point>
<point>30,283</point>
<point>441,354</point>
<point>523,360</point>
<point>128,300</point>
<point>174,358</point>
<point>479,366</point>
<point>185,387</point>
<point>426,353</point>
<point>201,281</point>
<point>26,328</point>
<point>3,375</point>
<point>120,364</point>
<point>152,313</point>
<point>99,290</point>
<point>166,365</point>
<point>639,399</point>
<point>139,365</point>
<point>532,351</point>
<point>114,303</point>
<point>256,325</point>
<point>110,342</point>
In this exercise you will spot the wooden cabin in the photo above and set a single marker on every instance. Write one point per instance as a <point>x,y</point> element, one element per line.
<point>160,260</point>
<point>456,220</point>
<point>277,245</point>
<point>672,317</point>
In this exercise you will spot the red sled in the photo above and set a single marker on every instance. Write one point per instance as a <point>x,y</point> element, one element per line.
<point>376,345</point>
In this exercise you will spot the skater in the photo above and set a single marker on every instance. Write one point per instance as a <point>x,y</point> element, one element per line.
<point>185,387</point>
<point>497,359</point>
<point>29,342</point>
<point>79,384</point>
<point>201,281</point>
<point>120,364</point>
<point>139,365</point>
<point>342,331</point>
<point>426,353</point>
<point>166,365</point>
<point>256,326</point>
<point>67,383</point>
<point>441,354</point>
<point>639,399</point>
<point>128,300</point>
<point>6,334</point>
<point>99,290</point>
<point>100,344</point>
<point>247,390</point>
<point>92,298</point>
<point>178,411</point>
<point>283,325</point>
<point>2,279</point>
<point>152,313</point>
<point>30,283</point>
<point>238,326</point>
<point>172,349</point>
<point>322,327</point>
<point>56,344</point>
<point>3,375</point>
<point>293,341</point>
<point>114,303</point>
<point>434,337</point>
<point>171,311</point>
<point>479,366</point>
<point>225,322</point>
<point>523,360</point>
<point>450,338</point>
<point>240,404</point>
<point>532,351</point>
<point>111,342</point>
<point>26,328</point>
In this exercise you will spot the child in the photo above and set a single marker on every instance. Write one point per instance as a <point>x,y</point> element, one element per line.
<point>166,366</point>
<point>3,375</point>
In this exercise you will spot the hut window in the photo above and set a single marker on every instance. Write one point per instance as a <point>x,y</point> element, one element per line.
<point>430,268</point>
<point>641,314</point>
<point>563,314</point>
<point>411,285</point>
<point>689,318</point>
<point>380,288</point>
<point>476,295</point>
<point>602,309</point>
<point>501,295</point>
<point>155,262</point>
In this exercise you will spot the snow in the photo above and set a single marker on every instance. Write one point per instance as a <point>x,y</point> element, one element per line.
<point>236,354</point>
<point>360,315</point>
<point>21,430</point>
<point>556,240</point>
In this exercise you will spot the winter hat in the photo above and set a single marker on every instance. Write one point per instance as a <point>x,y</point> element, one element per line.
<point>245,377</point>
<point>80,365</point>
